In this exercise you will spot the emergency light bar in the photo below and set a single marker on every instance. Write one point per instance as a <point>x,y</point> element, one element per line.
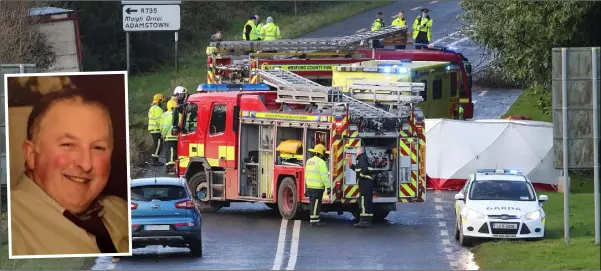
<point>500,171</point>
<point>232,87</point>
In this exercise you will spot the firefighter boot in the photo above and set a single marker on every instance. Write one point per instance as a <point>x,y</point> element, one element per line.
<point>155,162</point>
<point>363,223</point>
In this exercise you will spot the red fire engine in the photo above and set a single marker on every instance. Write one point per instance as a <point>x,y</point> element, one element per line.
<point>248,143</point>
<point>237,61</point>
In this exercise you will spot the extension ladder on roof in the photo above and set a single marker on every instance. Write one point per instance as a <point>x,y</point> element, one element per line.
<point>295,89</point>
<point>309,44</point>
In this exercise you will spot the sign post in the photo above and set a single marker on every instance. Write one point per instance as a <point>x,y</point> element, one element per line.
<point>142,16</point>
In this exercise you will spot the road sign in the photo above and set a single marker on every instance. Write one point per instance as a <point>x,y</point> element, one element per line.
<point>151,2</point>
<point>151,17</point>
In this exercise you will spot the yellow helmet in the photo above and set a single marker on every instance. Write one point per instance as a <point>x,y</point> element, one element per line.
<point>171,104</point>
<point>157,98</point>
<point>320,149</point>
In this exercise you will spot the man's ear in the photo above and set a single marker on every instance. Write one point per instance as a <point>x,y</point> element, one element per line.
<point>29,153</point>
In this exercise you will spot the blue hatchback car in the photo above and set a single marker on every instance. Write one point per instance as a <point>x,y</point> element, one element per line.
<point>163,212</point>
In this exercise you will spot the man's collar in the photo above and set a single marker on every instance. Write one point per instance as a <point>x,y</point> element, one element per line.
<point>31,187</point>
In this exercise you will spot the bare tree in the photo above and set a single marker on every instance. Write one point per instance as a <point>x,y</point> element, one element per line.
<point>20,40</point>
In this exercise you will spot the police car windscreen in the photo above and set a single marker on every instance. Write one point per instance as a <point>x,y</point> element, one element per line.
<point>157,192</point>
<point>501,190</point>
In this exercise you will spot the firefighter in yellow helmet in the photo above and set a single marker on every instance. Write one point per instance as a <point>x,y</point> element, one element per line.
<point>154,127</point>
<point>170,139</point>
<point>363,172</point>
<point>316,182</point>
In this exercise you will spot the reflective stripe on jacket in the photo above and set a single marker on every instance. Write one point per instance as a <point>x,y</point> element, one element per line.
<point>399,22</point>
<point>377,24</point>
<point>316,173</point>
<point>270,32</point>
<point>167,126</point>
<point>420,25</point>
<point>154,118</point>
<point>254,34</point>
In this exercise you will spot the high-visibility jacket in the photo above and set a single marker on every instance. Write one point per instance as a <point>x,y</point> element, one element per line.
<point>259,26</point>
<point>399,22</point>
<point>422,25</point>
<point>167,125</point>
<point>460,112</point>
<point>377,24</point>
<point>154,118</point>
<point>270,32</point>
<point>316,173</point>
<point>254,35</point>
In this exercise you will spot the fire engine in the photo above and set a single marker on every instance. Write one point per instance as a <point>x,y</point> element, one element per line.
<point>440,78</point>
<point>248,142</point>
<point>238,61</point>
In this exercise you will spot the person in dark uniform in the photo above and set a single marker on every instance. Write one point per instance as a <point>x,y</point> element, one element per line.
<point>363,172</point>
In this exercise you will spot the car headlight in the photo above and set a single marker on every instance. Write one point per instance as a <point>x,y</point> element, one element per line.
<point>534,215</point>
<point>470,213</point>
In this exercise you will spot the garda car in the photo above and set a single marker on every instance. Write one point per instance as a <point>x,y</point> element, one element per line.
<point>164,213</point>
<point>498,203</point>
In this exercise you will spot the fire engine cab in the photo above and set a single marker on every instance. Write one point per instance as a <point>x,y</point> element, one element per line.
<point>249,142</point>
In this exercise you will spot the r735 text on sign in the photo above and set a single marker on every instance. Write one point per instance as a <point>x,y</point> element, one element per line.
<point>151,17</point>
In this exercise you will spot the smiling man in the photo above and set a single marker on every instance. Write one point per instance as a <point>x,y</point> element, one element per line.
<point>57,207</point>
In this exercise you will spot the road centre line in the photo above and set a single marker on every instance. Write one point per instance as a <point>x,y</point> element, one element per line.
<point>279,255</point>
<point>434,2</point>
<point>483,93</point>
<point>361,30</point>
<point>294,245</point>
<point>416,8</point>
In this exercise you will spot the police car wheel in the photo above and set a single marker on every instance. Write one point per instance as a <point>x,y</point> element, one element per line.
<point>464,241</point>
<point>456,230</point>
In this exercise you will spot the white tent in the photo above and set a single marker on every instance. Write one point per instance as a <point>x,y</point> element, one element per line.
<point>456,149</point>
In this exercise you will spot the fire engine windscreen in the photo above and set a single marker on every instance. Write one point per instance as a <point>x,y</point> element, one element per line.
<point>384,164</point>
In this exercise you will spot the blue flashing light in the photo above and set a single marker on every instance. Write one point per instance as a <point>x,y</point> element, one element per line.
<point>387,69</point>
<point>500,171</point>
<point>232,87</point>
<point>403,70</point>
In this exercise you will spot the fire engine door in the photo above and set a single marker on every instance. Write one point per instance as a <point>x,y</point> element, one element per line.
<point>219,150</point>
<point>188,146</point>
<point>350,157</point>
<point>408,167</point>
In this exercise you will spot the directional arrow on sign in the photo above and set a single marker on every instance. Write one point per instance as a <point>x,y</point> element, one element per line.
<point>129,10</point>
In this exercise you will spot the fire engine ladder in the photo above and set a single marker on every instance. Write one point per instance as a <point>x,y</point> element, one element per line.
<point>295,89</point>
<point>309,44</point>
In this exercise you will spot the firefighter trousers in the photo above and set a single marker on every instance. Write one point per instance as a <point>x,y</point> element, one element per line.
<point>315,199</point>
<point>170,152</point>
<point>366,199</point>
<point>157,144</point>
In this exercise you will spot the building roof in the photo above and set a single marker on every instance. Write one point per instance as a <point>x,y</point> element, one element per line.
<point>41,11</point>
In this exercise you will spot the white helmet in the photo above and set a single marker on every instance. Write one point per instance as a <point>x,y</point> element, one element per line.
<point>180,90</point>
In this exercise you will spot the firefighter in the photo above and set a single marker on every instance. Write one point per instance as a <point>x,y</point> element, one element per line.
<point>214,38</point>
<point>362,170</point>
<point>259,23</point>
<point>250,29</point>
<point>460,112</point>
<point>316,181</point>
<point>270,31</point>
<point>378,22</point>
<point>181,95</point>
<point>400,21</point>
<point>170,139</point>
<point>154,119</point>
<point>422,26</point>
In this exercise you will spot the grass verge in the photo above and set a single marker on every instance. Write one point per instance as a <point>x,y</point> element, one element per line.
<point>36,264</point>
<point>531,103</point>
<point>193,66</point>
<point>551,254</point>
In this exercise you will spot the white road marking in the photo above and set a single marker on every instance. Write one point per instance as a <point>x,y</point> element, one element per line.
<point>442,224</point>
<point>437,192</point>
<point>361,30</point>
<point>277,263</point>
<point>438,208</point>
<point>474,102</point>
<point>110,266</point>
<point>294,245</point>
<point>483,93</point>
<point>437,200</point>
<point>448,250</point>
<point>446,241</point>
<point>450,257</point>
<point>458,41</point>
<point>393,16</point>
<point>446,37</point>
<point>434,2</point>
<point>416,8</point>
<point>439,215</point>
<point>444,233</point>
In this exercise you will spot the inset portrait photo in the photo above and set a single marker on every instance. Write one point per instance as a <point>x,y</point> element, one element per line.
<point>67,149</point>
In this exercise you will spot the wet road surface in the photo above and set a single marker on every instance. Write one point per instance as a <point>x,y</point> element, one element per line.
<point>252,236</point>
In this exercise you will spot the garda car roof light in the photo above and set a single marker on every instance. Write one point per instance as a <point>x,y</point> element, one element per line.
<point>500,171</point>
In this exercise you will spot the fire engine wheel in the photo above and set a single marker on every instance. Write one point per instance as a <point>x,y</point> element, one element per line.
<point>198,182</point>
<point>288,202</point>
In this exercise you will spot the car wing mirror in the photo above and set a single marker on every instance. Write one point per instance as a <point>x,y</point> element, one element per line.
<point>459,196</point>
<point>543,198</point>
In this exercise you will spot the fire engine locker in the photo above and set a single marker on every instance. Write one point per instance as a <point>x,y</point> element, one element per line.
<point>266,161</point>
